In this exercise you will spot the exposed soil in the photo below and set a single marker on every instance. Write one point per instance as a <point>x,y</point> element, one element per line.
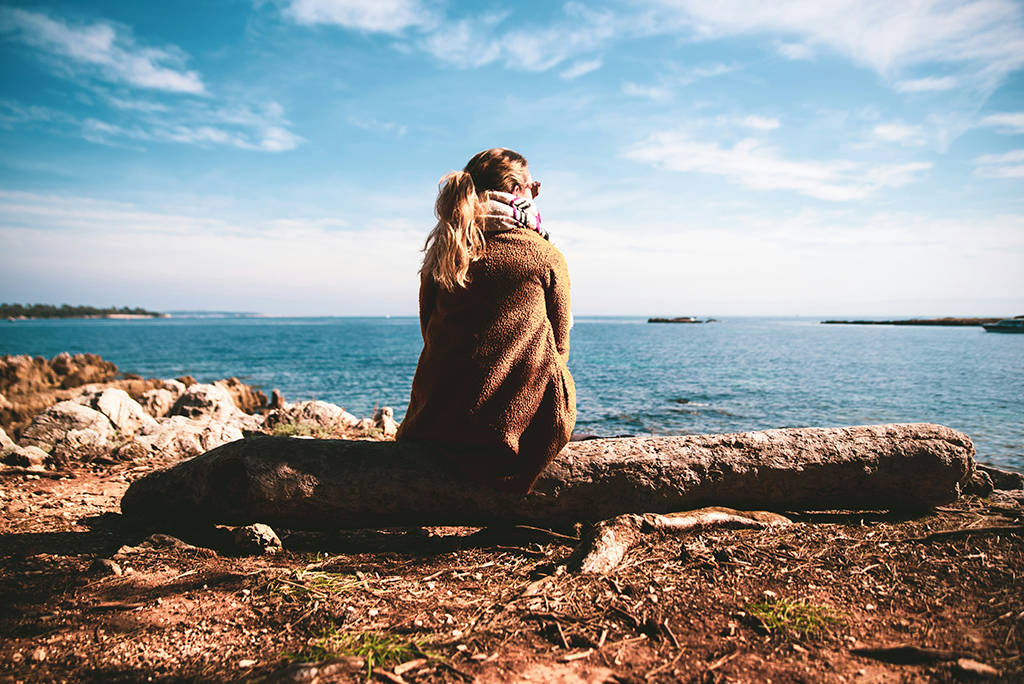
<point>495,607</point>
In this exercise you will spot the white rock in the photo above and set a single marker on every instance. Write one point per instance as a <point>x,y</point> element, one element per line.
<point>317,413</point>
<point>205,403</point>
<point>157,402</point>
<point>247,422</point>
<point>175,387</point>
<point>214,435</point>
<point>384,420</point>
<point>126,414</point>
<point>258,537</point>
<point>52,425</point>
<point>179,437</point>
<point>26,457</point>
<point>6,443</point>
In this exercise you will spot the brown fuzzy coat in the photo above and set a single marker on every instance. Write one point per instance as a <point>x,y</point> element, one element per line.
<point>492,390</point>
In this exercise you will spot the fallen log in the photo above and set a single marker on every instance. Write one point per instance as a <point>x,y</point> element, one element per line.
<point>307,484</point>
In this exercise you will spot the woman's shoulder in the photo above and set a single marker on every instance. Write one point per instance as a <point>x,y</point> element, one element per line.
<point>532,243</point>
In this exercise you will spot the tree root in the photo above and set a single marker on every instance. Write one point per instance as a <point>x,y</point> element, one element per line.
<point>605,546</point>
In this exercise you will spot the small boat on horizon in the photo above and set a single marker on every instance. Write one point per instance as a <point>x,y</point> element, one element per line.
<point>1007,325</point>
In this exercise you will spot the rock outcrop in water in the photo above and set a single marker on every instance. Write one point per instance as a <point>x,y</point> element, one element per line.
<point>332,484</point>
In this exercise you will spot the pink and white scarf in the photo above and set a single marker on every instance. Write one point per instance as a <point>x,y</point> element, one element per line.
<point>513,212</point>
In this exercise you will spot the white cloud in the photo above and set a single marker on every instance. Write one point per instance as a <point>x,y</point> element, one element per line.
<point>263,129</point>
<point>931,83</point>
<point>1000,171</point>
<point>580,68</point>
<point>656,93</point>
<point>1010,122</point>
<point>1013,156</point>
<point>474,42</point>
<point>103,50</point>
<point>465,43</point>
<point>676,77</point>
<point>899,132</point>
<point>794,51</point>
<point>758,123</point>
<point>753,165</point>
<point>386,16</point>
<point>985,36</point>
<point>16,114</point>
<point>1008,165</point>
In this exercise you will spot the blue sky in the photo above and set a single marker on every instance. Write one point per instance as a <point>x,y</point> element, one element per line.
<point>713,159</point>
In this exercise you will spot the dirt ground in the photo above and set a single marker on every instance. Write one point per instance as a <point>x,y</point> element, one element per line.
<point>87,595</point>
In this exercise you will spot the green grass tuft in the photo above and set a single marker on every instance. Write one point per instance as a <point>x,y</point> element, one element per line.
<point>375,648</point>
<point>789,618</point>
<point>299,429</point>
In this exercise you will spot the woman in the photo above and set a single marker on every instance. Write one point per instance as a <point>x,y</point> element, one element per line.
<point>492,391</point>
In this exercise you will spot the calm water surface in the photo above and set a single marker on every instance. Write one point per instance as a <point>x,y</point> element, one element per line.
<point>631,377</point>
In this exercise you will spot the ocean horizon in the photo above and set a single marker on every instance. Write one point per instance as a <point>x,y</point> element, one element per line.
<point>734,375</point>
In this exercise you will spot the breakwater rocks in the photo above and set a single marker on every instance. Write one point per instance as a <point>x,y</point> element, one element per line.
<point>74,409</point>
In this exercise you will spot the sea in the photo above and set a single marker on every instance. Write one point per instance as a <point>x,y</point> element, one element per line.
<point>632,377</point>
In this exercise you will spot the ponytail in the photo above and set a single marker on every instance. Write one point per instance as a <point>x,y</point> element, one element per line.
<point>458,238</point>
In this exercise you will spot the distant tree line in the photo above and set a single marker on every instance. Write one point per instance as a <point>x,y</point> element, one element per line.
<point>66,311</point>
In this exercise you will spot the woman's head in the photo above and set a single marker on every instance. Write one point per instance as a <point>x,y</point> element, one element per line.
<point>498,169</point>
<point>458,238</point>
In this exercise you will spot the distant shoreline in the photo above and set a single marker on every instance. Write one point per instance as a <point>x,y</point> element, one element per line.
<point>125,317</point>
<point>923,321</point>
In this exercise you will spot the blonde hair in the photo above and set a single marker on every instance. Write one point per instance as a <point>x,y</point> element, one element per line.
<point>458,238</point>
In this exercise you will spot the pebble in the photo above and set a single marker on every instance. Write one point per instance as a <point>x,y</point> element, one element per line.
<point>259,538</point>
<point>105,566</point>
<point>39,655</point>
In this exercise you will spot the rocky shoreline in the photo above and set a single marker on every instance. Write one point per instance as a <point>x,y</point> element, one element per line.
<point>74,409</point>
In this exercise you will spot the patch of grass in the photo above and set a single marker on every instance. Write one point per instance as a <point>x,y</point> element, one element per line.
<point>374,648</point>
<point>788,618</point>
<point>307,584</point>
<point>299,429</point>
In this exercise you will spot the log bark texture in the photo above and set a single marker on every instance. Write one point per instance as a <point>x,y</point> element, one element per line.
<point>307,484</point>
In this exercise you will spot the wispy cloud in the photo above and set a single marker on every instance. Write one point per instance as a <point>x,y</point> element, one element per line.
<point>928,84</point>
<point>794,51</point>
<point>1009,122</point>
<point>1008,165</point>
<point>983,37</point>
<point>752,164</point>
<point>103,58</point>
<point>101,50</point>
<point>476,41</point>
<point>758,123</point>
<point>676,77</point>
<point>261,129</point>
<point>385,16</point>
<point>899,132</point>
<point>580,68</point>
